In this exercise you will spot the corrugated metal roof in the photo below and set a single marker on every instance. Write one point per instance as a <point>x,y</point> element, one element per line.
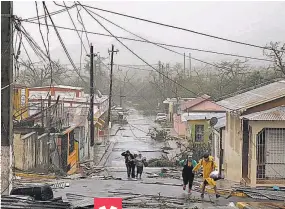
<point>58,86</point>
<point>191,103</point>
<point>201,116</point>
<point>277,113</point>
<point>256,96</point>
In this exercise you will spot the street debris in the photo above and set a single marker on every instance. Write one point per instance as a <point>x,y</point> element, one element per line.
<point>41,192</point>
<point>88,169</point>
<point>59,185</point>
<point>161,162</point>
<point>156,201</point>
<point>14,201</point>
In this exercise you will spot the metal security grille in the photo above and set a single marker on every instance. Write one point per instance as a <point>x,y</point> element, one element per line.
<point>270,154</point>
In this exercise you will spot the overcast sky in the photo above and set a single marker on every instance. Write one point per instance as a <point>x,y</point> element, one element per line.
<point>252,22</point>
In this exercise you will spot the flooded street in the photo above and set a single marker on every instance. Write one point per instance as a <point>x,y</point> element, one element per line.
<point>141,193</point>
<point>133,137</point>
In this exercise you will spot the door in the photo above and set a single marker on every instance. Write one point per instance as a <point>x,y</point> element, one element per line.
<point>245,148</point>
<point>274,155</point>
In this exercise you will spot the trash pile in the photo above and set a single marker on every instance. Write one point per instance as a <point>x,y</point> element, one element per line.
<point>87,169</point>
<point>161,162</point>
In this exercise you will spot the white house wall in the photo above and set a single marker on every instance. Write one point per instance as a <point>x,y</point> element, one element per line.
<point>258,126</point>
<point>65,95</point>
<point>232,150</point>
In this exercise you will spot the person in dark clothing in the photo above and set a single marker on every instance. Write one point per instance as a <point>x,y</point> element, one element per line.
<point>187,174</point>
<point>130,163</point>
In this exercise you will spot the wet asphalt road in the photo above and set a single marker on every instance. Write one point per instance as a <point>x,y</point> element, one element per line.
<point>133,137</point>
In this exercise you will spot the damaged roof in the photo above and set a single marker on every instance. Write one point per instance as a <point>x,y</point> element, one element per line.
<point>201,116</point>
<point>255,97</point>
<point>274,114</point>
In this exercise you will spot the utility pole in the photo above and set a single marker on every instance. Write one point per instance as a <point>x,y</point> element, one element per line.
<point>111,86</point>
<point>7,96</point>
<point>92,127</point>
<point>163,79</point>
<point>121,102</point>
<point>184,66</point>
<point>49,113</point>
<point>190,65</point>
<point>43,113</point>
<point>159,70</point>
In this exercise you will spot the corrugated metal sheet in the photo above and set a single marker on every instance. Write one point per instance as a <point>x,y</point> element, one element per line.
<point>201,116</point>
<point>255,96</point>
<point>277,113</point>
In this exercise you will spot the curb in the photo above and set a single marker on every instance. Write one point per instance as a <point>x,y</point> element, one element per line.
<point>33,175</point>
<point>242,205</point>
<point>227,192</point>
<point>106,155</point>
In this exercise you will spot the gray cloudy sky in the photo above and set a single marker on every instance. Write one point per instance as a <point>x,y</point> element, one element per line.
<point>252,22</point>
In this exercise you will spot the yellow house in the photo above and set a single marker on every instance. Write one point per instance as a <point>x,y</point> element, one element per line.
<point>198,127</point>
<point>20,102</point>
<point>254,140</point>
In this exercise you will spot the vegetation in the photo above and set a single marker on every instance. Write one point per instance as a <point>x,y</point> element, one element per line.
<point>218,80</point>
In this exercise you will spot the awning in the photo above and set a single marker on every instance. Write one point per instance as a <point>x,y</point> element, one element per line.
<point>101,121</point>
<point>98,125</point>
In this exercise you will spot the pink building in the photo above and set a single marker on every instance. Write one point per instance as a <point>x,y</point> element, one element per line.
<point>199,104</point>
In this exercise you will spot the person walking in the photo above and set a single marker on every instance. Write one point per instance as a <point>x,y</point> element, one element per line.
<point>140,162</point>
<point>209,165</point>
<point>130,164</point>
<point>187,172</point>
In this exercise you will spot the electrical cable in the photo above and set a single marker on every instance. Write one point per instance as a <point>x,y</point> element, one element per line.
<point>62,43</point>
<point>142,58</point>
<point>164,44</point>
<point>82,23</point>
<point>46,48</point>
<point>80,38</point>
<point>138,55</point>
<point>175,27</point>
<point>52,13</point>
<point>157,44</point>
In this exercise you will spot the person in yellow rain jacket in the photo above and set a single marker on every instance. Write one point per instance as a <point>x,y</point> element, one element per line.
<point>209,165</point>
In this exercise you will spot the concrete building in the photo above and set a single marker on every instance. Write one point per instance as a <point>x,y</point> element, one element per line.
<point>69,141</point>
<point>218,142</point>
<point>198,128</point>
<point>254,135</point>
<point>202,105</point>
<point>20,102</point>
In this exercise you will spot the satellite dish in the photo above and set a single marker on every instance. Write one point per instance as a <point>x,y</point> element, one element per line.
<point>213,121</point>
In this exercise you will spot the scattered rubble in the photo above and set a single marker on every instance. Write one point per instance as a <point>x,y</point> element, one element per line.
<point>161,162</point>
<point>88,169</point>
<point>14,201</point>
<point>156,201</point>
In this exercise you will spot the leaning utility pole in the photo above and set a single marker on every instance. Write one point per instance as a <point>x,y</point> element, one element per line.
<point>190,65</point>
<point>121,102</point>
<point>111,85</point>
<point>7,95</point>
<point>184,67</point>
<point>159,71</point>
<point>92,127</point>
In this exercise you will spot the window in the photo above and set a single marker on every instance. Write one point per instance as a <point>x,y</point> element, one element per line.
<point>71,142</point>
<point>199,133</point>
